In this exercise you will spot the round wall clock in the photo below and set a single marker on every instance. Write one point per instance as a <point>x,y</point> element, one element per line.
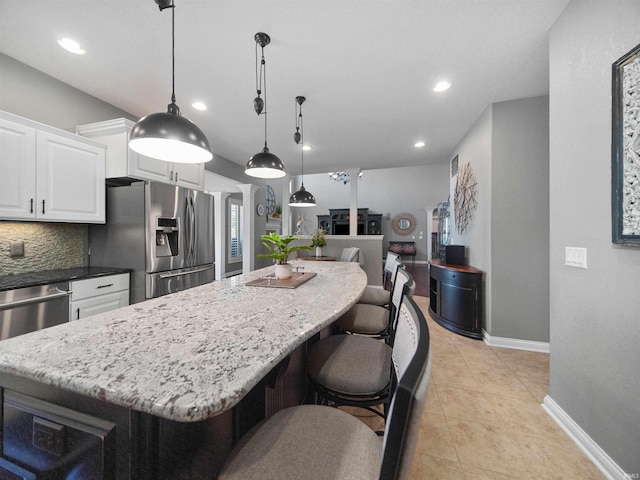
<point>260,209</point>
<point>271,200</point>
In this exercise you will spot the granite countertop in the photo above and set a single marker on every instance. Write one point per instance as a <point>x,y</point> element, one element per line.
<point>189,355</point>
<point>31,279</point>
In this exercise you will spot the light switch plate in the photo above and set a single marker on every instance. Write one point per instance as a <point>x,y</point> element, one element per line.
<point>575,257</point>
<point>16,249</point>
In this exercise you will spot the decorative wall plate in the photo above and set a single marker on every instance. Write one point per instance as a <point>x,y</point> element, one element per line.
<point>260,209</point>
<point>403,223</point>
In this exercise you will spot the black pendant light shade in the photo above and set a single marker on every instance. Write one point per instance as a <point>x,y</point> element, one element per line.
<point>301,198</point>
<point>168,135</point>
<point>263,164</point>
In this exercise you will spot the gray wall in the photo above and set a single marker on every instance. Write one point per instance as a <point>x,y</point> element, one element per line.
<point>595,313</point>
<point>32,94</point>
<point>416,190</point>
<point>508,235</point>
<point>520,219</point>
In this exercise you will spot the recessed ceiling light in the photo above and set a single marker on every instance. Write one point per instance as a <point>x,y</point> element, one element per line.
<point>199,106</point>
<point>419,144</point>
<point>71,46</point>
<point>306,147</point>
<point>441,86</point>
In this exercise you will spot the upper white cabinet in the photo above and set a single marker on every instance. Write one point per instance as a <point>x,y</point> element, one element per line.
<point>49,174</point>
<point>124,162</point>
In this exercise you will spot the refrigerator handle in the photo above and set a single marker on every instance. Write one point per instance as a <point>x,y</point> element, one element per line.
<point>194,231</point>
<point>189,229</point>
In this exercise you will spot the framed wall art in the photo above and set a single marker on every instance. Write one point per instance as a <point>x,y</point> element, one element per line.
<point>625,146</point>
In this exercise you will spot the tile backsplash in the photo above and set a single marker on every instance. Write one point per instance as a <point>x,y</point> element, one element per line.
<point>46,246</point>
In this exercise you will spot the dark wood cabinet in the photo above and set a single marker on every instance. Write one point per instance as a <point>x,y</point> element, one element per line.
<point>456,298</point>
<point>338,220</point>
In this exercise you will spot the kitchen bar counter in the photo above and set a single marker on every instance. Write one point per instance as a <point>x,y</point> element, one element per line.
<point>190,355</point>
<point>32,279</point>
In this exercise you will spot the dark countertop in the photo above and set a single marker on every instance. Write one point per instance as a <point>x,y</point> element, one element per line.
<point>30,279</point>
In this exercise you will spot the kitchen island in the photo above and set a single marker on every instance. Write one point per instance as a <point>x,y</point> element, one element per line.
<point>182,376</point>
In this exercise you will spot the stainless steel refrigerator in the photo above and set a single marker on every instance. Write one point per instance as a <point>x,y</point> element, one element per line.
<point>163,232</point>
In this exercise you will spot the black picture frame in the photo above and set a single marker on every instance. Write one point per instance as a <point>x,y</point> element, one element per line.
<point>625,149</point>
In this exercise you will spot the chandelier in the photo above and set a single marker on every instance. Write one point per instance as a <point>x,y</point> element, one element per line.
<point>342,177</point>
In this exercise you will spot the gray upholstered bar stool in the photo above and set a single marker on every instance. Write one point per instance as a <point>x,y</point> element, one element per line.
<point>378,294</point>
<point>314,442</point>
<point>375,320</point>
<point>355,370</point>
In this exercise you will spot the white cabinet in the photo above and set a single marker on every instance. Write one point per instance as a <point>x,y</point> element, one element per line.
<point>48,174</point>
<point>98,295</point>
<point>124,162</point>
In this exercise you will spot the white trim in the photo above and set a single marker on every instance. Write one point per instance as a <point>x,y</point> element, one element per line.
<point>516,343</point>
<point>591,449</point>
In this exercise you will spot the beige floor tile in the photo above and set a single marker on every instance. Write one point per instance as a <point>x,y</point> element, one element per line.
<point>499,382</point>
<point>467,404</point>
<point>428,467</point>
<point>490,447</point>
<point>475,473</point>
<point>537,388</point>
<point>433,403</point>
<point>455,377</point>
<point>558,458</point>
<point>525,363</point>
<point>435,439</point>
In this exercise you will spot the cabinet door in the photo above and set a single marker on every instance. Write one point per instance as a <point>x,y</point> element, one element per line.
<point>100,304</point>
<point>458,306</point>
<point>188,175</point>
<point>18,171</point>
<point>148,168</point>
<point>70,180</point>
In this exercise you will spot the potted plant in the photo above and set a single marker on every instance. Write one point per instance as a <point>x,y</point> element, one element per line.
<point>280,250</point>
<point>319,240</point>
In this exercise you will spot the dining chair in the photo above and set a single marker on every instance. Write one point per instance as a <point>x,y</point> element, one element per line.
<point>316,442</point>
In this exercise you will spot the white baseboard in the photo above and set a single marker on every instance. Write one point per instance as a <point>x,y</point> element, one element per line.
<point>516,343</point>
<point>591,449</point>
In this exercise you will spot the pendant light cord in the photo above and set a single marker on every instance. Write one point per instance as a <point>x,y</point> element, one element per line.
<point>173,53</point>
<point>302,147</point>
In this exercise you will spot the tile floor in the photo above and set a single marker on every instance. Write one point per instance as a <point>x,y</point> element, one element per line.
<point>483,419</point>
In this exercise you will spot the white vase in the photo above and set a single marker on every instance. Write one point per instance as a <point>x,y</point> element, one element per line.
<point>318,251</point>
<point>283,271</point>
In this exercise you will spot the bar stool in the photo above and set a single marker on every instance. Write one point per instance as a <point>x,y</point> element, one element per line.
<point>315,442</point>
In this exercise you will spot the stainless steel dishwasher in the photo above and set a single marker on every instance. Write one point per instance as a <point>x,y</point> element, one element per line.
<point>24,310</point>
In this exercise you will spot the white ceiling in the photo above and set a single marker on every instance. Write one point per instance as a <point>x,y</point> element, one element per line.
<point>366,67</point>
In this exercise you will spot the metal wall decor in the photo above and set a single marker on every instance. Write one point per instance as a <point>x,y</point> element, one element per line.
<point>625,146</point>
<point>464,199</point>
<point>343,177</point>
<point>454,166</point>
<point>404,223</point>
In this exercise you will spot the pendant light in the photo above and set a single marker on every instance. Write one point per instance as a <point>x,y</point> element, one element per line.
<point>301,198</point>
<point>168,135</point>
<point>263,164</point>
